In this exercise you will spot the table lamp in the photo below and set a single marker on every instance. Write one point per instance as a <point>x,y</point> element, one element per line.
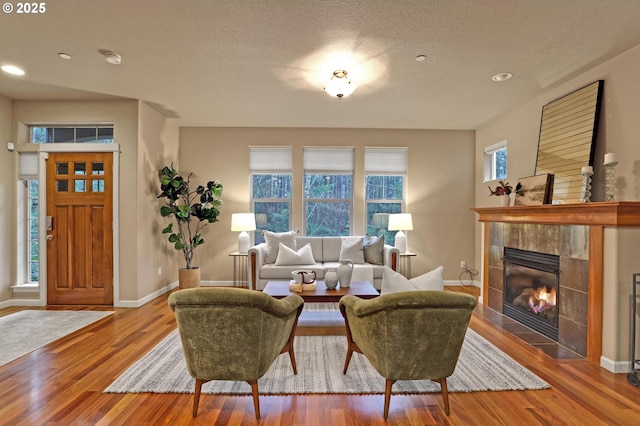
<point>243,222</point>
<point>400,222</point>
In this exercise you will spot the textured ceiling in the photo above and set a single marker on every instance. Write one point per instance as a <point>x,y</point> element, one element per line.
<point>264,63</point>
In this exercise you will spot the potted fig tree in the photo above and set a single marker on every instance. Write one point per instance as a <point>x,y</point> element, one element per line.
<point>191,210</point>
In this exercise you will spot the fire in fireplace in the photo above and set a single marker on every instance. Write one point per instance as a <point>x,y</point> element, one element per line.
<point>531,289</point>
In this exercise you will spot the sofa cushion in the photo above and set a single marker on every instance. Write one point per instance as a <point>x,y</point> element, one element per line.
<point>283,273</point>
<point>316,244</point>
<point>273,240</point>
<point>374,250</point>
<point>352,248</point>
<point>331,249</point>
<point>287,256</point>
<point>432,280</point>
<point>393,282</point>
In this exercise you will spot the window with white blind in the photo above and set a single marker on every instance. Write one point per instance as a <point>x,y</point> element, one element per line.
<point>495,161</point>
<point>328,191</point>
<point>385,172</point>
<point>270,171</point>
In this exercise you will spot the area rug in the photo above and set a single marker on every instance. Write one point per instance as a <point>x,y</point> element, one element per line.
<point>26,331</point>
<point>320,360</point>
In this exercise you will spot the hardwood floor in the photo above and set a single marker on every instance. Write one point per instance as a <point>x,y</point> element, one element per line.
<point>62,384</point>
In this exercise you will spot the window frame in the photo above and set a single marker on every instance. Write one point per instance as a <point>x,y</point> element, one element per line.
<point>489,158</point>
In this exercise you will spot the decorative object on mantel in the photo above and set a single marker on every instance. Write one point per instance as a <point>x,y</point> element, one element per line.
<point>534,190</point>
<point>610,163</point>
<point>504,190</point>
<point>587,172</point>
<point>568,130</point>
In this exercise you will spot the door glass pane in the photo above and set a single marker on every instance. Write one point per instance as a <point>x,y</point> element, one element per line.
<point>63,134</point>
<point>80,185</point>
<point>97,168</point>
<point>80,168</point>
<point>62,185</point>
<point>62,168</point>
<point>97,185</point>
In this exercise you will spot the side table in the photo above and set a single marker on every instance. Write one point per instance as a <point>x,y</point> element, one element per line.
<point>240,269</point>
<point>405,263</point>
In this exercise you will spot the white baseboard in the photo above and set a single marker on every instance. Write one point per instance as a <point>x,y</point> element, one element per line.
<point>464,282</point>
<point>617,367</point>
<point>20,302</point>
<point>146,299</point>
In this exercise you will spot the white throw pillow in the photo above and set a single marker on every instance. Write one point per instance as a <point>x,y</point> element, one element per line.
<point>393,282</point>
<point>273,240</point>
<point>287,256</point>
<point>352,249</point>
<point>432,280</point>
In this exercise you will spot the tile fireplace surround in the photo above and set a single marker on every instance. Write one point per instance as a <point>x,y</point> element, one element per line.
<point>575,232</point>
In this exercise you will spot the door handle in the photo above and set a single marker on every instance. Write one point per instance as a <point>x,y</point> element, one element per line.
<point>49,237</point>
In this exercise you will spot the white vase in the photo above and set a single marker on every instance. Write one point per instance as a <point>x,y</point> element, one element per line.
<point>505,200</point>
<point>345,270</point>
<point>331,279</point>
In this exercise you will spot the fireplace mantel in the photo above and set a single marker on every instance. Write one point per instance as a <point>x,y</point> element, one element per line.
<point>616,213</point>
<point>597,216</point>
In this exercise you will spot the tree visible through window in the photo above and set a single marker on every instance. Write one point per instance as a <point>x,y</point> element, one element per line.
<point>328,201</point>
<point>384,196</point>
<point>271,195</point>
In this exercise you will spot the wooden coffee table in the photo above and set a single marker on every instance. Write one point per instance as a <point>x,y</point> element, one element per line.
<point>363,289</point>
<point>325,323</point>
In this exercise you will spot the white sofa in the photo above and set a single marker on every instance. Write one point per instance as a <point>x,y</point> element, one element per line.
<point>326,253</point>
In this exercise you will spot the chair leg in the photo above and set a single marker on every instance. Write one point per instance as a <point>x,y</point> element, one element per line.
<point>256,401</point>
<point>445,394</point>
<point>387,396</point>
<point>196,396</point>
<point>348,360</point>
<point>292,357</point>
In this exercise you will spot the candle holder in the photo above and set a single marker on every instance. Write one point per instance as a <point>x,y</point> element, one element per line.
<point>610,180</point>
<point>587,185</point>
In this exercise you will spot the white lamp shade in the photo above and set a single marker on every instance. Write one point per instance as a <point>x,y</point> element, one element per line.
<point>400,222</point>
<point>243,222</point>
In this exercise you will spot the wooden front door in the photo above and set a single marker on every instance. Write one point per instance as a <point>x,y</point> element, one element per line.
<point>79,229</point>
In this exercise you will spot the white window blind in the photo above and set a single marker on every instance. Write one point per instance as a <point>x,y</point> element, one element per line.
<point>28,168</point>
<point>269,159</point>
<point>385,161</point>
<point>328,159</point>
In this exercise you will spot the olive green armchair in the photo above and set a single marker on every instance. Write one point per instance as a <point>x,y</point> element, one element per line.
<point>412,335</point>
<point>234,334</point>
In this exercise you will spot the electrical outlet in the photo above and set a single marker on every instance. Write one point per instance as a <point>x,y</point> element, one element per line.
<point>159,270</point>
<point>463,264</point>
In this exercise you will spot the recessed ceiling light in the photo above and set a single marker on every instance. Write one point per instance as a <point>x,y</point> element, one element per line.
<point>64,55</point>
<point>503,76</point>
<point>12,69</point>
<point>112,58</point>
<point>421,58</point>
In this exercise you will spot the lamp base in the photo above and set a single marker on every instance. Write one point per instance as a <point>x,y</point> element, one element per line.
<point>401,242</point>
<point>243,242</point>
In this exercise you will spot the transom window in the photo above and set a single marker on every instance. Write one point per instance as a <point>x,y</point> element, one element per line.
<point>66,134</point>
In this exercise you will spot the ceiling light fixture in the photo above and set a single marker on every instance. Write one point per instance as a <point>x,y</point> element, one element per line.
<point>12,69</point>
<point>421,58</point>
<point>503,76</point>
<point>112,58</point>
<point>339,85</point>
<point>64,55</point>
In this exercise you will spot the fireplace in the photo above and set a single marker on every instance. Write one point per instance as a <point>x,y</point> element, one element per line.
<point>531,289</point>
